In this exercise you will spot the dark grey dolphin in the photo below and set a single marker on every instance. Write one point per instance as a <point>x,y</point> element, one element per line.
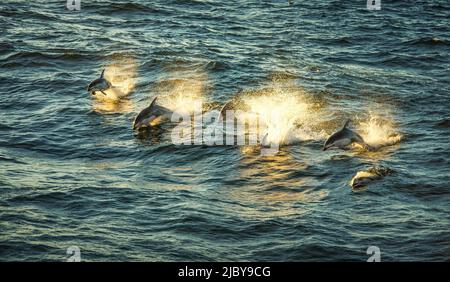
<point>99,84</point>
<point>150,114</point>
<point>344,138</point>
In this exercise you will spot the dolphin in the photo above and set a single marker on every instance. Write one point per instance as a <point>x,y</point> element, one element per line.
<point>344,138</point>
<point>151,114</point>
<point>100,84</point>
<point>363,178</point>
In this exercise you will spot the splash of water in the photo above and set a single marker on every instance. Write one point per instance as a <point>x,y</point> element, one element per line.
<point>278,115</point>
<point>107,107</point>
<point>379,131</point>
<point>183,95</point>
<point>183,92</point>
<point>122,73</point>
<point>284,114</point>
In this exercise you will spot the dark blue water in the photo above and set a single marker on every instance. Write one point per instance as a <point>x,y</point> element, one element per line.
<point>73,173</point>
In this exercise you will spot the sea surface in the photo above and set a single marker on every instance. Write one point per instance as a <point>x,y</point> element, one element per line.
<point>73,173</point>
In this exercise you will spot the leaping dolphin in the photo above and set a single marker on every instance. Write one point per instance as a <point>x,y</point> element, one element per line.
<point>150,115</point>
<point>344,138</point>
<point>100,84</point>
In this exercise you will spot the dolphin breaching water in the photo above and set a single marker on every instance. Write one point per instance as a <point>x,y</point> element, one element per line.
<point>151,116</point>
<point>344,138</point>
<point>363,178</point>
<point>100,84</point>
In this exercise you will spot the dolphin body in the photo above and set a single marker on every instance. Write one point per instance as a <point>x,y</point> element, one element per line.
<point>344,138</point>
<point>99,84</point>
<point>151,114</point>
<point>363,178</point>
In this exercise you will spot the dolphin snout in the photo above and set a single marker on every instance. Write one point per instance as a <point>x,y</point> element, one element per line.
<point>137,125</point>
<point>141,127</point>
<point>359,183</point>
<point>91,90</point>
<point>89,86</point>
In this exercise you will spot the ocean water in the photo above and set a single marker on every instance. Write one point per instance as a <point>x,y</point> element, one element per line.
<point>73,172</point>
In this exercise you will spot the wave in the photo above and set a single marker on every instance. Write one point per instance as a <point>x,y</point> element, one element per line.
<point>279,113</point>
<point>445,123</point>
<point>11,160</point>
<point>66,55</point>
<point>428,41</point>
<point>6,47</point>
<point>5,127</point>
<point>216,66</point>
<point>132,7</point>
<point>414,61</point>
<point>379,132</point>
<point>27,13</point>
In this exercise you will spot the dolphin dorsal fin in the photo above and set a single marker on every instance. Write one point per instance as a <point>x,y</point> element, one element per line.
<point>346,123</point>
<point>264,140</point>
<point>102,74</point>
<point>222,110</point>
<point>152,104</point>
